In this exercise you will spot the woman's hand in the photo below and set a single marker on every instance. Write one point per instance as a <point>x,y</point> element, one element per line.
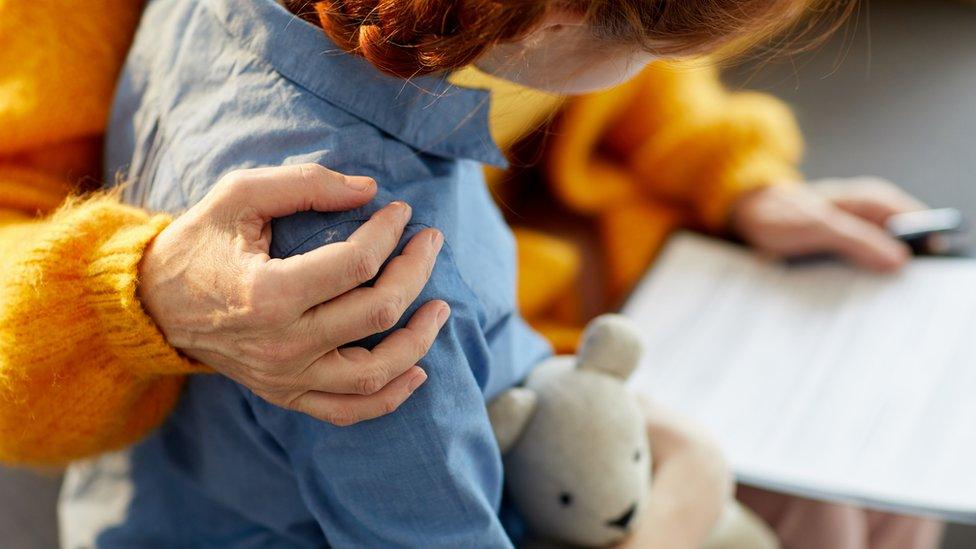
<point>277,325</point>
<point>691,485</point>
<point>844,217</point>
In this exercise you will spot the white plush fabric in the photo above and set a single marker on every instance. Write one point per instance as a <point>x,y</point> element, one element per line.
<point>582,463</point>
<point>577,458</point>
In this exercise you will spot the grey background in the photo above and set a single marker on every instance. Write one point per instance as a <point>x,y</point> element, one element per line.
<point>898,99</point>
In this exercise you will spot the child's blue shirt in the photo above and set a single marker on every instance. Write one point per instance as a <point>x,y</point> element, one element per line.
<point>216,85</point>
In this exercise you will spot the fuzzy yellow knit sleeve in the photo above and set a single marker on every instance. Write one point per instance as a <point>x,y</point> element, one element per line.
<point>82,368</point>
<point>671,148</point>
<point>676,135</point>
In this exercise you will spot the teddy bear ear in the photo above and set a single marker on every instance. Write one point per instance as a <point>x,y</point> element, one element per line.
<point>611,345</point>
<point>510,413</point>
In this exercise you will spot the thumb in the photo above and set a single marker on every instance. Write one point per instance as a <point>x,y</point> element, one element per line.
<point>284,190</point>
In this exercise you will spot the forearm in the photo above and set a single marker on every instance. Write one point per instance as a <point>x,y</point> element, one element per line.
<point>687,498</point>
<point>691,486</point>
<point>752,142</point>
<point>83,369</point>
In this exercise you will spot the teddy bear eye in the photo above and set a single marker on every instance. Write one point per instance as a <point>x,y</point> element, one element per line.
<point>566,499</point>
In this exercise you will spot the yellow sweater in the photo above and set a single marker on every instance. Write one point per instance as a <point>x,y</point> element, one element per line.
<point>672,148</point>
<point>80,363</point>
<point>84,370</point>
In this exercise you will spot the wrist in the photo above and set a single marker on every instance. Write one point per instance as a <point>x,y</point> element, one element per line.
<point>743,209</point>
<point>145,282</point>
<point>151,287</point>
<point>113,293</point>
<point>764,209</point>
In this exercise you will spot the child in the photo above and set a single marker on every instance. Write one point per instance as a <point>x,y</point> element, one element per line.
<point>217,85</point>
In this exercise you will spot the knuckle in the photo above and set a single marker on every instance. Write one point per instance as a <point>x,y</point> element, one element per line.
<point>365,264</point>
<point>312,172</point>
<point>386,312</point>
<point>342,416</point>
<point>425,341</point>
<point>418,342</point>
<point>359,355</point>
<point>369,382</point>
<point>389,406</point>
<point>233,181</point>
<point>430,261</point>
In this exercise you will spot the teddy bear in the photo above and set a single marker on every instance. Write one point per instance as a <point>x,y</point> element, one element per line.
<point>576,452</point>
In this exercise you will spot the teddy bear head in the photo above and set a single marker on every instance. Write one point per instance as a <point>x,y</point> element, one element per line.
<point>576,452</point>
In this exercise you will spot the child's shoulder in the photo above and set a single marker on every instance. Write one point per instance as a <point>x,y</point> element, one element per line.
<point>219,85</point>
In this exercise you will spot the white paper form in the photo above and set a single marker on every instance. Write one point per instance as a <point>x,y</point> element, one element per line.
<point>821,379</point>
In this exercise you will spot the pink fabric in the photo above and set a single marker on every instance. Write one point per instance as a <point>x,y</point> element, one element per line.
<point>808,524</point>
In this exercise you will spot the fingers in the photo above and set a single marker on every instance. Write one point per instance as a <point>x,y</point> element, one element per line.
<point>358,371</point>
<point>367,311</point>
<point>862,243</point>
<point>317,276</point>
<point>284,190</point>
<point>345,410</point>
<point>870,198</point>
<point>837,217</point>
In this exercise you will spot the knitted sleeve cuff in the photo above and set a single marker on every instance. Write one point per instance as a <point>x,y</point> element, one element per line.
<point>715,209</point>
<point>111,279</point>
<point>81,365</point>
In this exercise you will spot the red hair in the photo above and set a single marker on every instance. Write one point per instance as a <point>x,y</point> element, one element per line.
<point>413,37</point>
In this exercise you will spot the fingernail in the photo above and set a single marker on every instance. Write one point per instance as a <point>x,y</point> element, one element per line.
<point>417,381</point>
<point>437,240</point>
<point>443,314</point>
<point>359,184</point>
<point>404,208</point>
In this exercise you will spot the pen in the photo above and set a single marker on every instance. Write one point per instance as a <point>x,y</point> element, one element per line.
<point>929,232</point>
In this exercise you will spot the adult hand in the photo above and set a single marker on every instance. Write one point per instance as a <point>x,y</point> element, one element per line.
<point>278,326</point>
<point>844,217</point>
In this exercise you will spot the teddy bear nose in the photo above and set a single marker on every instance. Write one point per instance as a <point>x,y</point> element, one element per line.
<point>623,520</point>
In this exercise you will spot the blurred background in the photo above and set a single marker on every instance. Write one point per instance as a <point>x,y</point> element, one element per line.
<point>894,96</point>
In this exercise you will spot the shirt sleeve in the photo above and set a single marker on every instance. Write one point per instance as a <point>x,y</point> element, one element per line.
<point>677,136</point>
<point>428,475</point>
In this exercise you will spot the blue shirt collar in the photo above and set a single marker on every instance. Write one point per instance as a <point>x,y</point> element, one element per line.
<point>427,113</point>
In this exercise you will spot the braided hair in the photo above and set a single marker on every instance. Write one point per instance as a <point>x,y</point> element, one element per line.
<point>407,38</point>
